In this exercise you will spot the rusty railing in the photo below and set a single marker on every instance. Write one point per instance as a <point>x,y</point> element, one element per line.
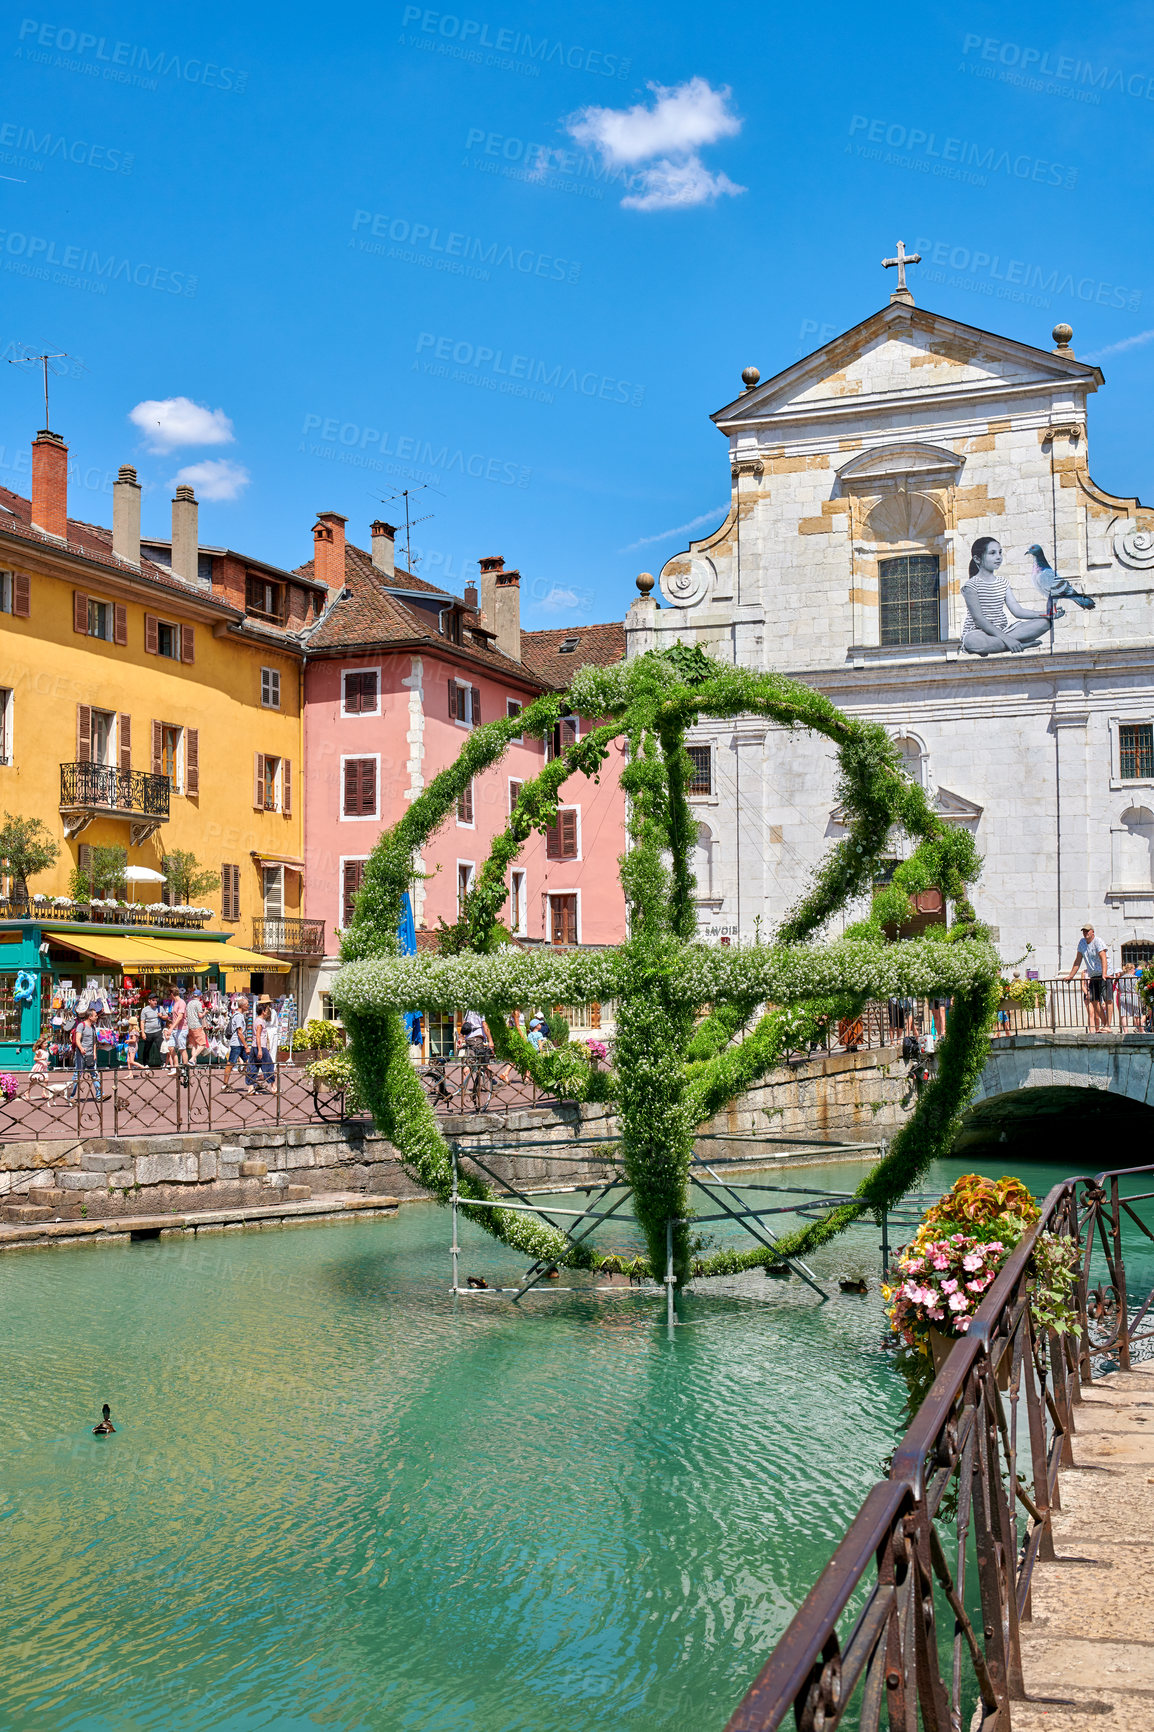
<point>915,1621</point>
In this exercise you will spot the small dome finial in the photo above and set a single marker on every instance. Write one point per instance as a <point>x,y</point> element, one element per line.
<point>750,377</point>
<point>1063,336</point>
<point>645,582</point>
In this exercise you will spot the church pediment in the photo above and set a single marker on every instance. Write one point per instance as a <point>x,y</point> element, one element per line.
<point>904,460</point>
<point>951,808</point>
<point>903,354</point>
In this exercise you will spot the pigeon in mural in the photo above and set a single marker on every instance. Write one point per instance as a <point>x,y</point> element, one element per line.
<point>1052,587</point>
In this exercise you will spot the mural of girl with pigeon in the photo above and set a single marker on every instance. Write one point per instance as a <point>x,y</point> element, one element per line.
<point>988,598</point>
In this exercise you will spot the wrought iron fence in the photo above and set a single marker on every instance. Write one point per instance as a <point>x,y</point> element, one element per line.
<point>1070,1006</point>
<point>943,1550</point>
<point>290,937</point>
<point>112,789</point>
<point>143,1102</point>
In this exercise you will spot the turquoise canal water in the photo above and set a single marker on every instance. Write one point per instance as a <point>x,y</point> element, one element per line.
<point>337,1498</point>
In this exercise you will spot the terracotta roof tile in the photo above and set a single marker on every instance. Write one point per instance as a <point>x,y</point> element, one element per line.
<point>599,644</point>
<point>92,541</point>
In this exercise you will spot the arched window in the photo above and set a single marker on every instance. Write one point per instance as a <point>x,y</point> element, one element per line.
<point>913,756</point>
<point>1139,951</point>
<point>1133,850</point>
<point>909,580</point>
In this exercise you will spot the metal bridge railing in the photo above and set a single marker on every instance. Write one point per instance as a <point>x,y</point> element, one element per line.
<point>944,1548</point>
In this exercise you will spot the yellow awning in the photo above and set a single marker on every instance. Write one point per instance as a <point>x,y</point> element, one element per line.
<point>148,955</point>
<point>125,953</point>
<point>196,954</point>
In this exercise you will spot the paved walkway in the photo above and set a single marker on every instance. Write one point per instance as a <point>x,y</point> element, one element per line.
<point>120,1229</point>
<point>1088,1651</point>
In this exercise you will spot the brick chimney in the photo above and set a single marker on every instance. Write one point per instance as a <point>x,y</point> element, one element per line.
<point>329,549</point>
<point>501,602</point>
<point>126,516</point>
<point>470,596</point>
<point>50,484</point>
<point>384,547</point>
<point>185,534</point>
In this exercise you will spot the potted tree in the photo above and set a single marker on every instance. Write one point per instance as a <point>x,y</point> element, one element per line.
<point>26,849</point>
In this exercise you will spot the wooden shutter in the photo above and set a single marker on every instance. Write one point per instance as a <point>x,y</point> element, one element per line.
<point>352,793</point>
<point>119,623</point>
<point>352,879</point>
<point>187,643</point>
<point>453,710</point>
<point>83,734</point>
<point>475,715</point>
<point>465,803</point>
<point>80,612</point>
<point>286,785</point>
<point>258,780</point>
<point>553,842</point>
<point>158,748</point>
<point>84,860</point>
<point>230,892</point>
<point>514,794</point>
<point>568,824</point>
<point>150,624</point>
<point>124,733</point>
<point>192,760</point>
<point>22,595</point>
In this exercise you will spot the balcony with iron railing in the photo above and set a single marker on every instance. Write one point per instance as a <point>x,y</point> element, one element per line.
<point>289,936</point>
<point>89,791</point>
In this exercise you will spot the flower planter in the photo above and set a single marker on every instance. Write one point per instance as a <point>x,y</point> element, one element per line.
<point>940,1345</point>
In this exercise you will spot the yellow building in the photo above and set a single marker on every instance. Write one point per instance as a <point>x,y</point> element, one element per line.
<point>150,700</point>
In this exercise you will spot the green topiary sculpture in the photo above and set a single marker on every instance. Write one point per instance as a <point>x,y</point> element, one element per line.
<point>693,1030</point>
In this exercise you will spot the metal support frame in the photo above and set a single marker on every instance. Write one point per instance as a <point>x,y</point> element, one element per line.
<point>567,1221</point>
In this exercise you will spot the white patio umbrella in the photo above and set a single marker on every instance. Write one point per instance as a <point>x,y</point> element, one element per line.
<point>142,875</point>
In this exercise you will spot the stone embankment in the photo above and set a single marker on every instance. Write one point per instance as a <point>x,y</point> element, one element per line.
<point>844,1098</point>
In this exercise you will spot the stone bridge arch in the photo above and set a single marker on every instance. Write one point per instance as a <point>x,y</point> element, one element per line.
<point>1089,1098</point>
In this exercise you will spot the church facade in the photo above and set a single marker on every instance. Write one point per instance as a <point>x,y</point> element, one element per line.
<point>914,531</point>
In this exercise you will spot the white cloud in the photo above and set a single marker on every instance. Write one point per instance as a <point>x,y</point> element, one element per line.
<point>560,599</point>
<point>681,529</point>
<point>168,422</point>
<point>666,137</point>
<point>215,479</point>
<point>1138,342</point>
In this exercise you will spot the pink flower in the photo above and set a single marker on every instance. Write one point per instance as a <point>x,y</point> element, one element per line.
<point>937,1314</point>
<point>972,1261</point>
<point>940,1262</point>
<point>958,1302</point>
<point>963,1323</point>
<point>950,1286</point>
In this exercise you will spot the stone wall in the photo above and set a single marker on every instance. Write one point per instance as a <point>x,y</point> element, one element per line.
<point>851,1097</point>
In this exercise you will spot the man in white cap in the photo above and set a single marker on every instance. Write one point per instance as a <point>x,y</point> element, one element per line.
<point>1096,986</point>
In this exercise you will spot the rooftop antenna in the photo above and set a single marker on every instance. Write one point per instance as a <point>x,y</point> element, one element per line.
<point>19,361</point>
<point>411,523</point>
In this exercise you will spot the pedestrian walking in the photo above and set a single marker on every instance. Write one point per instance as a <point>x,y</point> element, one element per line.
<point>1092,958</point>
<point>194,1017</point>
<point>260,1060</point>
<point>39,1073</point>
<point>178,1029</point>
<point>84,1055</point>
<point>151,1032</point>
<point>237,1040</point>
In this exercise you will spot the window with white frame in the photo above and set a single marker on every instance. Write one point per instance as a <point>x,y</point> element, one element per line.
<point>359,786</point>
<point>465,804</point>
<point>464,703</point>
<point>7,701</point>
<point>518,903</point>
<point>5,592</point>
<point>514,793</point>
<point>465,873</point>
<point>361,692</point>
<point>270,688</point>
<point>513,707</point>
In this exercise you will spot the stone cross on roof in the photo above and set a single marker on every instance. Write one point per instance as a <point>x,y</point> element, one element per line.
<point>901,293</point>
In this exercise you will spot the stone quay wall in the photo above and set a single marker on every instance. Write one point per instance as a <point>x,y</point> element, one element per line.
<point>848,1097</point>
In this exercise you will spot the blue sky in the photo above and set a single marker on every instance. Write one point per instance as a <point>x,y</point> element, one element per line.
<point>369,246</point>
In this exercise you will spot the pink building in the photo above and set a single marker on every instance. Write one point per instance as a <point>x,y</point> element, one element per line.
<point>397,673</point>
